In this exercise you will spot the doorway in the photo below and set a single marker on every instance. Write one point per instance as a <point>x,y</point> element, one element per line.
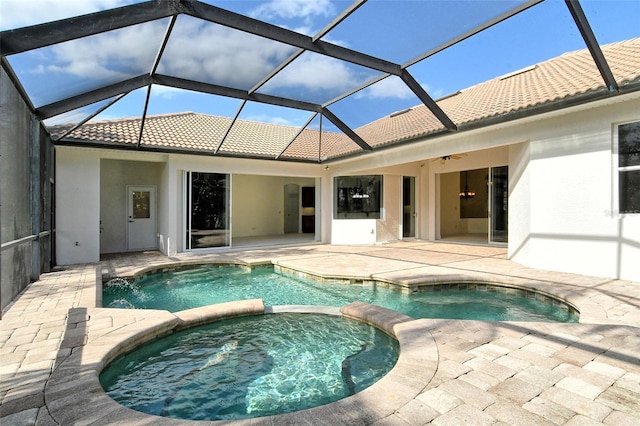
<point>408,207</point>
<point>141,218</point>
<point>291,208</point>
<point>499,204</point>
<point>473,206</point>
<point>207,215</point>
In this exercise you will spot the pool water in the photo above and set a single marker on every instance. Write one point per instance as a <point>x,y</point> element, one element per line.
<point>251,367</point>
<point>185,289</point>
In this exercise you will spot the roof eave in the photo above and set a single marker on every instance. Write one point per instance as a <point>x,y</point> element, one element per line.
<point>556,105</point>
<point>587,97</point>
<point>83,143</point>
<point>511,116</point>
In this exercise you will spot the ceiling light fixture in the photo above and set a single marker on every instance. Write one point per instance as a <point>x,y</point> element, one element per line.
<point>466,194</point>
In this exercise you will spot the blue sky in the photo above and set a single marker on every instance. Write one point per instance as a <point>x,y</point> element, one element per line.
<point>396,30</point>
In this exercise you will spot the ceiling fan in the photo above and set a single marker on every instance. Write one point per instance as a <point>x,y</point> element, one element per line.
<point>444,158</point>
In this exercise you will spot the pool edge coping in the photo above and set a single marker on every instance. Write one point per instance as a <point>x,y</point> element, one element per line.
<point>74,388</point>
<point>563,294</point>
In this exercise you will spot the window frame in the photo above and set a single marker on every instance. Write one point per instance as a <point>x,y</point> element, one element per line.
<point>362,212</point>
<point>618,170</point>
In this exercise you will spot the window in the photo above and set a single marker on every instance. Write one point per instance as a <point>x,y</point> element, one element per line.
<point>357,197</point>
<point>141,205</point>
<point>629,167</point>
<point>308,196</point>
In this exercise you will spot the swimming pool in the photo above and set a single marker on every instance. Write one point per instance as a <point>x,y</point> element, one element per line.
<point>181,289</point>
<point>251,367</point>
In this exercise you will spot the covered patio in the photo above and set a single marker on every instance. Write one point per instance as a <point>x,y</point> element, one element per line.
<point>472,371</point>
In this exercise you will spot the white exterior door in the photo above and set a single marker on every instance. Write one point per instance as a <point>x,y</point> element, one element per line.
<point>141,218</point>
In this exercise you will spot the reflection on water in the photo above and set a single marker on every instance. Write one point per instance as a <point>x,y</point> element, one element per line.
<point>190,288</point>
<point>251,367</point>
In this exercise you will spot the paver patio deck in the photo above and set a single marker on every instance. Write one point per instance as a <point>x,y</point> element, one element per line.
<point>513,373</point>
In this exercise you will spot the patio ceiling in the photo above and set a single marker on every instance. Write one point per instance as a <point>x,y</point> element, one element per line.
<point>149,49</point>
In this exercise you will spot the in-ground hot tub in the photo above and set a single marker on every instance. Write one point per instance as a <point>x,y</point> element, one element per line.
<point>252,366</point>
<point>74,389</point>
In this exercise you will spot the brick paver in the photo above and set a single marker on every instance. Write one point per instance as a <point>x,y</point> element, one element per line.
<point>485,372</point>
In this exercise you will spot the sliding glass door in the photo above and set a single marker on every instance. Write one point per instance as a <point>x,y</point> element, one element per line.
<point>408,206</point>
<point>498,205</point>
<point>473,205</point>
<point>207,210</point>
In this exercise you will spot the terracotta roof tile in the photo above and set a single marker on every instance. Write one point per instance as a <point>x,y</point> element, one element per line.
<point>567,76</point>
<point>259,139</point>
<point>310,145</point>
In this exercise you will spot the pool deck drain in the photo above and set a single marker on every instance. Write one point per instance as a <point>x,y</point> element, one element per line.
<point>468,371</point>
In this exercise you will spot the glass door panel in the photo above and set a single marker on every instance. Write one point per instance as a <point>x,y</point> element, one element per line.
<point>207,210</point>
<point>408,206</point>
<point>499,227</point>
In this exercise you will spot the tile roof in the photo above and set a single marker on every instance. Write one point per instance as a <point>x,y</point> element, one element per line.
<point>546,84</point>
<point>567,76</point>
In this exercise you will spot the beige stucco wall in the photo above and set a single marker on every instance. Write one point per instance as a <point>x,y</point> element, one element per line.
<point>561,186</point>
<point>115,176</point>
<point>90,186</point>
<point>561,190</point>
<point>257,194</point>
<point>77,206</point>
<point>449,211</point>
<point>389,226</point>
<point>568,189</point>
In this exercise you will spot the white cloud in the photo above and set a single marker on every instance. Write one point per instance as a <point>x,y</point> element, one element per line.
<point>435,94</point>
<point>264,118</point>
<point>108,56</point>
<point>296,15</point>
<point>390,87</point>
<point>289,9</point>
<point>39,69</point>
<point>317,73</point>
<point>394,87</point>
<point>21,13</point>
<point>164,92</point>
<point>303,29</point>
<point>197,50</point>
<point>220,55</point>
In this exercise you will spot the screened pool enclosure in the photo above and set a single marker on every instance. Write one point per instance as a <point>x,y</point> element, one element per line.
<point>326,70</point>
